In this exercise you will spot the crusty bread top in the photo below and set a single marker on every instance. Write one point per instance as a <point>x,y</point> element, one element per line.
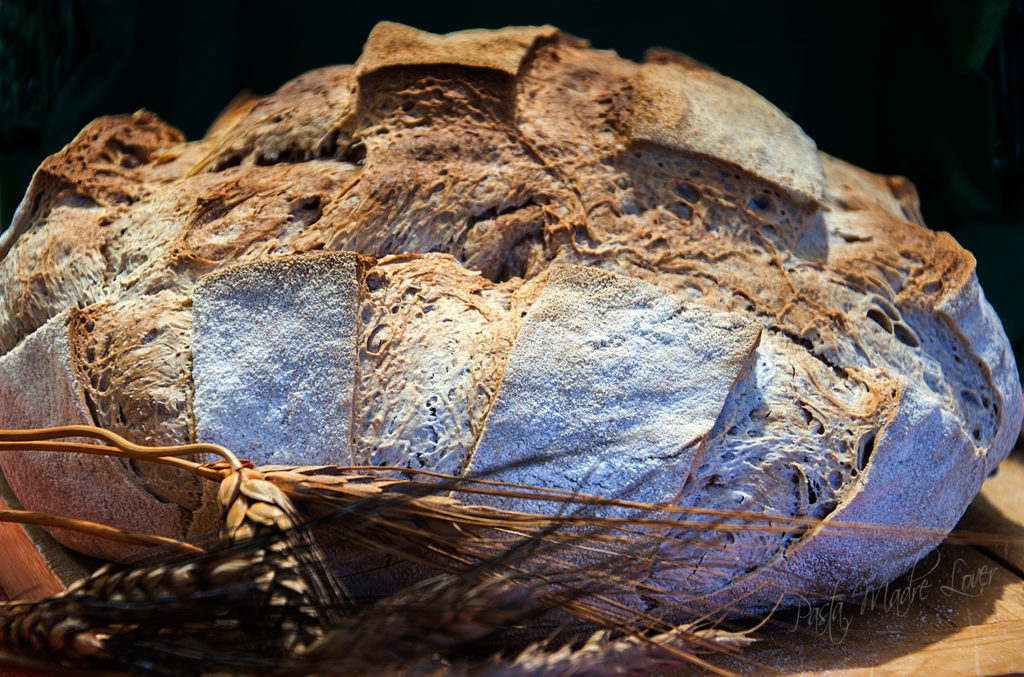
<point>689,108</point>
<point>392,44</point>
<point>466,168</point>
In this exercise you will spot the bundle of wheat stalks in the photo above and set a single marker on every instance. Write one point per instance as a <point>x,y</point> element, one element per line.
<point>513,593</point>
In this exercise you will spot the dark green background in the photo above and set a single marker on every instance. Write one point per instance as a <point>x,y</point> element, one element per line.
<point>930,90</point>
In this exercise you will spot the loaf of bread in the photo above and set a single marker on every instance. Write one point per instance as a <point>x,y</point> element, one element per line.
<point>507,254</point>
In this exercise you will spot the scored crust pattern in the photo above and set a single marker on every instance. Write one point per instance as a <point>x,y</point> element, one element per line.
<point>462,168</point>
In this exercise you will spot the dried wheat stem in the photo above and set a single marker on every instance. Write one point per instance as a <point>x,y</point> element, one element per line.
<point>100,450</point>
<point>366,485</point>
<point>126,448</point>
<point>774,522</point>
<point>93,529</point>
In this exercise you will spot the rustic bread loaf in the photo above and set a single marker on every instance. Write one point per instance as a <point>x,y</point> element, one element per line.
<point>645,275</point>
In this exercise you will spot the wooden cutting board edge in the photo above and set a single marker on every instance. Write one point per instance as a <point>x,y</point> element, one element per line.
<point>32,564</point>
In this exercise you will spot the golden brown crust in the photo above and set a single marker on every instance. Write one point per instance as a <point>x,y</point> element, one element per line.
<point>692,109</point>
<point>391,44</point>
<point>96,167</point>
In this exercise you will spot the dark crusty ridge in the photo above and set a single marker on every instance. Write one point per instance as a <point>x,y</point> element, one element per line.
<point>508,152</point>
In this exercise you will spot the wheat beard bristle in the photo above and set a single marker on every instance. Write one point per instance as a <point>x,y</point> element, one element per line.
<point>506,570</point>
<point>261,598</point>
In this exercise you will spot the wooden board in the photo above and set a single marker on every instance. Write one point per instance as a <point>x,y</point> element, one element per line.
<point>32,564</point>
<point>22,571</point>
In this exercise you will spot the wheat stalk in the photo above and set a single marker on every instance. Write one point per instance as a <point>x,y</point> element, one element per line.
<point>262,596</point>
